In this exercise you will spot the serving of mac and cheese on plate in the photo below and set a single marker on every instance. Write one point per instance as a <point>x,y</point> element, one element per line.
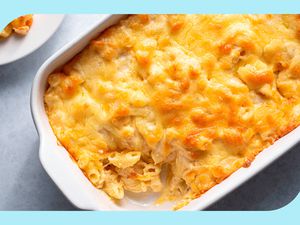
<point>175,104</point>
<point>20,25</point>
<point>25,34</point>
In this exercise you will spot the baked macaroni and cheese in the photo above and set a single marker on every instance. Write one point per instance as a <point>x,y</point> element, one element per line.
<point>194,97</point>
<point>20,26</point>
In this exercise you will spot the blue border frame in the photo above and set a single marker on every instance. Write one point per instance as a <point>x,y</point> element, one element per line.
<point>13,8</point>
<point>286,215</point>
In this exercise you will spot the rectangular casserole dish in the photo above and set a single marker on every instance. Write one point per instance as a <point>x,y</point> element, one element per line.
<point>72,182</point>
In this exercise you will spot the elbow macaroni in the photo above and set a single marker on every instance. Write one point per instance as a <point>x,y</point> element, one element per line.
<point>193,96</point>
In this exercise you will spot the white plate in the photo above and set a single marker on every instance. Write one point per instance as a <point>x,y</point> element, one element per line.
<point>70,179</point>
<point>16,47</point>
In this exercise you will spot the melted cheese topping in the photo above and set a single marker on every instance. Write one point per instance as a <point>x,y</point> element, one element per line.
<point>21,26</point>
<point>198,96</point>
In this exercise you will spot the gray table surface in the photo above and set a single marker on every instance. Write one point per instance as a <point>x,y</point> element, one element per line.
<point>24,185</point>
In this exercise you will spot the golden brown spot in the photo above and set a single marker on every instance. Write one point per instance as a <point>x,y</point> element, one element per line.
<point>194,74</point>
<point>225,48</point>
<point>144,18</point>
<point>70,85</point>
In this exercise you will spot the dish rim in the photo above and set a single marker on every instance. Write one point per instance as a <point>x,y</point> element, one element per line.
<point>263,159</point>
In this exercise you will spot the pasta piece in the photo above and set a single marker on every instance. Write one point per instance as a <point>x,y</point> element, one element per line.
<point>113,186</point>
<point>124,160</point>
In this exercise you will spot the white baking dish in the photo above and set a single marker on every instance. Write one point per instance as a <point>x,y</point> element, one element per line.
<point>69,178</point>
